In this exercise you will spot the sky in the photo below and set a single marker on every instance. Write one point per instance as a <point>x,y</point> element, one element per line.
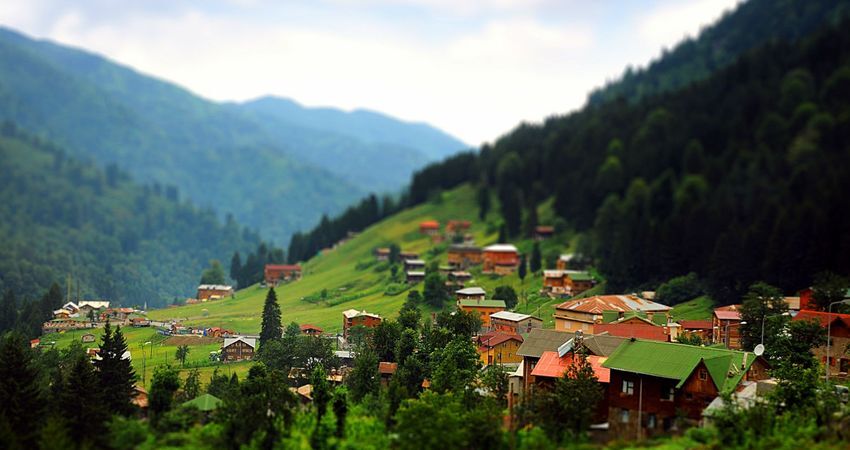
<point>474,68</point>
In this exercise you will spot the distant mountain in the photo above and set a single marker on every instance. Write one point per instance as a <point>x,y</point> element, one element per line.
<point>118,240</point>
<point>273,172</point>
<point>753,23</point>
<point>368,126</point>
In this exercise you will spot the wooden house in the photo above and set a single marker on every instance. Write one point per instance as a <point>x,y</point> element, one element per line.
<point>726,326</point>
<point>414,265</point>
<point>497,347</point>
<point>386,370</point>
<point>404,256</point>
<point>483,308</point>
<point>238,348</point>
<point>352,318</point>
<point>576,281</point>
<point>208,292</point>
<point>459,277</point>
<point>382,254</point>
<point>563,262</point>
<point>310,330</point>
<point>516,323</point>
<point>655,383</point>
<point>463,256</point>
<point>429,227</point>
<point>701,328</point>
<point>414,276</point>
<point>553,365</point>
<point>542,232</point>
<point>839,339</point>
<point>276,273</point>
<point>471,293</point>
<point>634,327</point>
<point>582,314</point>
<point>501,259</point>
<point>554,281</point>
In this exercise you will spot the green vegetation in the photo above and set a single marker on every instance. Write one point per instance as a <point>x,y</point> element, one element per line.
<point>273,164</point>
<point>126,243</point>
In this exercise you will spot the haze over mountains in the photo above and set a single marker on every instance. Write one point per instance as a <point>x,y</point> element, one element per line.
<point>275,165</point>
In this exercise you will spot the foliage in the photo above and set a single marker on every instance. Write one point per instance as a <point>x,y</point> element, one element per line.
<point>214,274</point>
<point>434,292</point>
<point>181,354</point>
<point>495,380</point>
<point>762,308</point>
<point>117,378</point>
<point>828,288</point>
<point>131,244</point>
<point>164,386</point>
<point>507,294</point>
<point>363,379</point>
<point>384,339</point>
<point>192,385</point>
<point>454,367</point>
<point>23,397</point>
<point>690,339</point>
<point>679,289</point>
<point>536,263</point>
<point>270,328</point>
<point>567,411</point>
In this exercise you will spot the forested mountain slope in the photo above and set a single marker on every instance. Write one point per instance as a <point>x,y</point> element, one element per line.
<point>272,172</point>
<point>116,239</point>
<point>741,177</point>
<point>753,23</point>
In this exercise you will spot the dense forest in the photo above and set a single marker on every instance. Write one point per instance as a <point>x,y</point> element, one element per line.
<point>739,177</point>
<point>275,165</point>
<point>116,240</point>
<point>753,24</point>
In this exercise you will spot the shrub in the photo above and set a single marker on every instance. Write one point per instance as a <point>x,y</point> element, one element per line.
<point>679,289</point>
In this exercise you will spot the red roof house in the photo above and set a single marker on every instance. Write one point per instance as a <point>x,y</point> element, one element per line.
<point>311,330</point>
<point>633,330</point>
<point>552,366</point>
<point>429,227</point>
<point>275,273</point>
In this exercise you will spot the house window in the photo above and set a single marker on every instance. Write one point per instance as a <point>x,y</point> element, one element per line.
<point>651,421</point>
<point>668,393</point>
<point>628,387</point>
<point>703,374</point>
<point>624,415</point>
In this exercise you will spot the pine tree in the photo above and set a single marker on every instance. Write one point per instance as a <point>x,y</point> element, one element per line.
<point>536,262</point>
<point>321,392</point>
<point>8,311</point>
<point>340,407</point>
<point>483,201</point>
<point>236,268</point>
<point>523,268</point>
<point>117,378</point>
<point>22,401</point>
<point>271,326</point>
<point>503,233</point>
<point>82,402</point>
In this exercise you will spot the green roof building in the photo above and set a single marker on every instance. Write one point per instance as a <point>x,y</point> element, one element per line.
<point>205,402</point>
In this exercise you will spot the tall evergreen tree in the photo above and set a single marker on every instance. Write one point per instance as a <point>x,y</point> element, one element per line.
<point>82,402</point>
<point>523,268</point>
<point>21,397</point>
<point>236,268</point>
<point>8,311</point>
<point>536,262</point>
<point>271,325</point>
<point>117,378</point>
<point>483,195</point>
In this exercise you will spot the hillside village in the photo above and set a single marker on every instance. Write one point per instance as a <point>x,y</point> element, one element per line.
<point>656,371</point>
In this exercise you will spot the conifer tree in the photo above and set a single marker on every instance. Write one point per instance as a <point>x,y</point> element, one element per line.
<point>236,268</point>
<point>21,397</point>
<point>82,402</point>
<point>271,326</point>
<point>8,311</point>
<point>523,268</point>
<point>536,262</point>
<point>117,378</point>
<point>340,407</point>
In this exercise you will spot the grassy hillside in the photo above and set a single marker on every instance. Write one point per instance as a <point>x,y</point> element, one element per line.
<point>699,308</point>
<point>354,280</point>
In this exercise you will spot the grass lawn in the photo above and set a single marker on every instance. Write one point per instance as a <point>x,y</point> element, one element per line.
<point>699,308</point>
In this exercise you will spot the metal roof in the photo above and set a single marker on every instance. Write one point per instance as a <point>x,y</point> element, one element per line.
<point>512,316</point>
<point>540,340</point>
<point>231,340</point>
<point>471,302</point>
<point>501,248</point>
<point>599,303</point>
<point>471,291</point>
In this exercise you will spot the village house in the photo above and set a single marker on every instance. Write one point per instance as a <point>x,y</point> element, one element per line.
<point>386,370</point>
<point>352,318</point>
<point>726,326</point>
<point>501,259</point>
<point>532,348</point>
<point>551,366</point>
<point>635,327</point>
<point>239,348</point>
<point>542,232</point>
<point>71,307</point>
<point>61,314</point>
<point>208,292</point>
<point>414,276</point>
<point>117,314</point>
<point>701,328</point>
<point>655,383</point>
<point>497,347</point>
<point>459,277</point>
<point>582,314</point>
<point>87,338</point>
<point>311,330</point>
<point>34,343</point>
<point>404,256</point>
<point>483,308</point>
<point>577,281</point>
<point>839,339</point>
<point>429,227</point>
<point>511,322</point>
<point>462,256</point>
<point>457,226</point>
<point>563,262</point>
<point>416,265</point>
<point>89,306</point>
<point>471,293</point>
<point>554,282</point>
<point>275,273</point>
<point>382,254</point>
<point>140,322</point>
<point>71,323</point>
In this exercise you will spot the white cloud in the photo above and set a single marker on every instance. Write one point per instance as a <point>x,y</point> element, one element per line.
<point>669,24</point>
